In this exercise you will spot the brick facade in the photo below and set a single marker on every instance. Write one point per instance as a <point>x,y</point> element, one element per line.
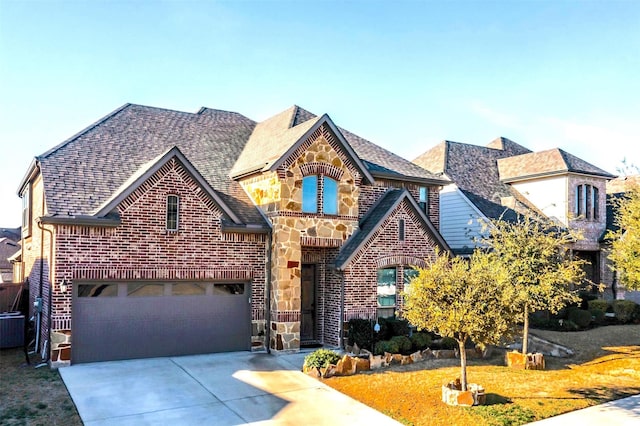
<point>142,249</point>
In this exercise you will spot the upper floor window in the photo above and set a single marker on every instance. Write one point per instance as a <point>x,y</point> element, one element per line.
<point>400,229</point>
<point>26,211</point>
<point>586,202</point>
<point>329,195</point>
<point>312,193</point>
<point>423,199</point>
<point>172,212</point>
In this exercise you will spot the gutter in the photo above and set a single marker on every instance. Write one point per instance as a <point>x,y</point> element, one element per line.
<point>412,179</point>
<point>107,221</point>
<point>267,289</point>
<point>341,324</point>
<point>246,229</point>
<point>39,223</point>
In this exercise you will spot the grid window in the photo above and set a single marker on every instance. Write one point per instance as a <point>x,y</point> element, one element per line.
<point>172,212</point>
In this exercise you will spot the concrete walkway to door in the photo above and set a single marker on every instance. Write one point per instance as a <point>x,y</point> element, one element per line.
<point>214,389</point>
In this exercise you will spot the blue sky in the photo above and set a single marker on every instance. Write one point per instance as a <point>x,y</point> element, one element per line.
<point>404,74</point>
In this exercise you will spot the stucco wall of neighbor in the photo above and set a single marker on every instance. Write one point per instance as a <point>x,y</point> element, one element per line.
<point>37,256</point>
<point>549,195</point>
<point>141,247</point>
<point>590,229</point>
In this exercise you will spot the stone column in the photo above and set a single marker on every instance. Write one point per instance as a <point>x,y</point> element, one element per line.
<point>285,286</point>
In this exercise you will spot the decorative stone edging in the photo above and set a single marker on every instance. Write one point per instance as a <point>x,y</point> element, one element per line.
<point>365,361</point>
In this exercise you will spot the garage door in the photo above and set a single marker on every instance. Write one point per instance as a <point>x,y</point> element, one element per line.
<point>149,319</point>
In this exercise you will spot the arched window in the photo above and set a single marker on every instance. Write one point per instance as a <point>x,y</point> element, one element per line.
<point>586,202</point>
<point>329,195</point>
<point>310,194</point>
<point>172,212</point>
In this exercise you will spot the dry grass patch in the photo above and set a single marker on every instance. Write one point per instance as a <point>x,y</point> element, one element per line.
<point>606,367</point>
<point>32,396</point>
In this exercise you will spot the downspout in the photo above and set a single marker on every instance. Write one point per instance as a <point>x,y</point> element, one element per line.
<point>267,289</point>
<point>39,223</point>
<point>341,325</point>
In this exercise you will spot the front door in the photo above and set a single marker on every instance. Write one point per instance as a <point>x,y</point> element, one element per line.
<point>308,302</point>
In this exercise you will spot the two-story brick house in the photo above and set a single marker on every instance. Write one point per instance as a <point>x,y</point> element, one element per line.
<point>157,232</point>
<point>504,179</point>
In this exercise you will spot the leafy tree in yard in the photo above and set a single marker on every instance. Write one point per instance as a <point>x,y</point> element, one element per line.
<point>462,299</point>
<point>625,241</point>
<point>540,267</point>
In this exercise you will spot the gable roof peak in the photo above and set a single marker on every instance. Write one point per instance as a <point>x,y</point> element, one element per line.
<point>507,145</point>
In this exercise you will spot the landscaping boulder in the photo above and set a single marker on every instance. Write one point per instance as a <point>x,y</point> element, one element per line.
<point>377,361</point>
<point>362,364</point>
<point>416,356</point>
<point>525,362</point>
<point>453,395</point>
<point>346,366</point>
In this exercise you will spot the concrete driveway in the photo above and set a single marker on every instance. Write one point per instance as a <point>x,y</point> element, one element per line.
<point>214,389</point>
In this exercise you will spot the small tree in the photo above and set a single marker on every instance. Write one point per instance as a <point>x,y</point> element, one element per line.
<point>625,241</point>
<point>541,269</point>
<point>462,299</point>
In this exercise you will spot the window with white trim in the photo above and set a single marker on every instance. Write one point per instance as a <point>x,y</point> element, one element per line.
<point>26,211</point>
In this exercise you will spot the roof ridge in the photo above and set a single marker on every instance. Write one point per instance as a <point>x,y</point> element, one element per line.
<point>86,129</point>
<point>294,113</point>
<point>564,158</point>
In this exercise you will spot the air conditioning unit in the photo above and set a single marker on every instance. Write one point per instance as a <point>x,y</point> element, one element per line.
<point>11,330</point>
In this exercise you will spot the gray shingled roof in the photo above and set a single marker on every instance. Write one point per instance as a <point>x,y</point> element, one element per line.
<point>384,163</point>
<point>543,163</point>
<point>269,141</point>
<point>374,218</point>
<point>474,170</point>
<point>8,248</point>
<point>274,136</point>
<point>84,171</point>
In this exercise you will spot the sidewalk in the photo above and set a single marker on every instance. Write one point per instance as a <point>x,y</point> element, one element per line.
<point>622,412</point>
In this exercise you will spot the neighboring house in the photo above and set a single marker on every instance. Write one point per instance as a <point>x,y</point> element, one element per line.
<point>616,189</point>
<point>157,232</point>
<point>8,248</point>
<point>505,179</point>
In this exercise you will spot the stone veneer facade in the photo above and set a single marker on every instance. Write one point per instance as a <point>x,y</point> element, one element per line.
<point>303,238</point>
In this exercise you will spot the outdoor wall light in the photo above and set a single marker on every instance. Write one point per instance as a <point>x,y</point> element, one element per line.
<point>63,285</point>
